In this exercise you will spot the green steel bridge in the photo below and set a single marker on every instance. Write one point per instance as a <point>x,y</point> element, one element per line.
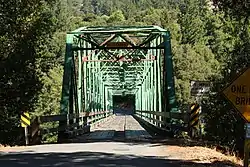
<point>103,64</point>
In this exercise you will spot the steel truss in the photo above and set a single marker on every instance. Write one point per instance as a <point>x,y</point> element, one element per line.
<point>104,61</point>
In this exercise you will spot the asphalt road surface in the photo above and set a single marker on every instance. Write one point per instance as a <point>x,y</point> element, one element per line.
<point>101,148</point>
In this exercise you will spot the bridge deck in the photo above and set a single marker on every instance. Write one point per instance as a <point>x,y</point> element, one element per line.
<point>117,127</point>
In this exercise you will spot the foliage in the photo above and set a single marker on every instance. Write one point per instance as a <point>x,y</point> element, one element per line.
<point>231,45</point>
<point>192,62</point>
<point>48,100</point>
<point>23,25</point>
<point>191,18</point>
<point>234,8</point>
<point>207,43</point>
<point>49,97</point>
<point>116,16</point>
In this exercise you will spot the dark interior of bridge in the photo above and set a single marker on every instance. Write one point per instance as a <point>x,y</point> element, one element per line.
<point>124,104</point>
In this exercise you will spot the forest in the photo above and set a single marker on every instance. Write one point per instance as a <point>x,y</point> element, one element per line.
<point>210,42</point>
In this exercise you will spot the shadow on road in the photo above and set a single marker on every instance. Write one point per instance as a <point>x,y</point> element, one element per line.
<point>94,159</point>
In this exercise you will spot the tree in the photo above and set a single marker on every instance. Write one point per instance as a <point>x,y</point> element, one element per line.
<point>169,21</point>
<point>239,9</point>
<point>229,29</point>
<point>192,23</point>
<point>152,17</point>
<point>26,27</point>
<point>192,63</point>
<point>116,17</point>
<point>87,7</point>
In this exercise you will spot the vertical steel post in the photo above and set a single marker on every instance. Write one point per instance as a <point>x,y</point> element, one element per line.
<point>85,88</point>
<point>103,96</point>
<point>155,81</point>
<point>110,100</point>
<point>89,82</point>
<point>136,101</point>
<point>82,80</point>
<point>67,74</point>
<point>159,80</point>
<point>88,78</point>
<point>79,80</point>
<point>141,97</point>
<point>99,86</point>
<point>93,83</point>
<point>74,95</point>
<point>106,99</point>
<point>101,90</point>
<point>152,90</point>
<point>139,100</point>
<point>169,82</point>
<point>79,84</point>
<point>146,85</point>
<point>147,92</point>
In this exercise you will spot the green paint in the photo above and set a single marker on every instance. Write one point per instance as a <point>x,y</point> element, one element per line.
<point>80,86</point>
<point>67,75</point>
<point>94,83</point>
<point>169,75</point>
<point>64,107</point>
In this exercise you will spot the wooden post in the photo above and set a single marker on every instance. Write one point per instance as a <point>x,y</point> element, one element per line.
<point>35,136</point>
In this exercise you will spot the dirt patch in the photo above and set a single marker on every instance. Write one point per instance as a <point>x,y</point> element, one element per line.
<point>199,155</point>
<point>10,149</point>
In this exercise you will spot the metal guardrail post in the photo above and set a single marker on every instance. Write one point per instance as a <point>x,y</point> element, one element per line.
<point>25,123</point>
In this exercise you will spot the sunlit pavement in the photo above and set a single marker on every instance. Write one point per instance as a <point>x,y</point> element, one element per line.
<point>85,154</point>
<point>94,153</point>
<point>100,149</point>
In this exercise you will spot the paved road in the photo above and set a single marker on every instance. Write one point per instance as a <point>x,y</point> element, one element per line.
<point>99,154</point>
<point>95,153</point>
<point>100,149</point>
<point>110,154</point>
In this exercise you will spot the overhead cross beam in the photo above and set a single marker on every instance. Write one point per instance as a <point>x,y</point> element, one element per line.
<point>95,55</point>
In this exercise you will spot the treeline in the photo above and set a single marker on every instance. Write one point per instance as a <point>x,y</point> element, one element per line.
<point>32,36</point>
<point>210,41</point>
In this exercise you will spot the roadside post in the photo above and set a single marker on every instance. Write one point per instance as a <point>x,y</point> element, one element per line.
<point>247,145</point>
<point>238,94</point>
<point>25,122</point>
<point>199,89</point>
<point>194,120</point>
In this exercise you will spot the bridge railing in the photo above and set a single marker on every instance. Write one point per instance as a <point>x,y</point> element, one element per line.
<point>80,124</point>
<point>158,119</point>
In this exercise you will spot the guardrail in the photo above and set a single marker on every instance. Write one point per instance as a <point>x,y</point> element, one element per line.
<point>75,124</point>
<point>158,119</point>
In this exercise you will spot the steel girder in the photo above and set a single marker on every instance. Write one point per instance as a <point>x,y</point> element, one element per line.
<point>105,61</point>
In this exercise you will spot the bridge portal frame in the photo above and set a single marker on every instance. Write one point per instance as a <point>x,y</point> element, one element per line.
<point>90,50</point>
